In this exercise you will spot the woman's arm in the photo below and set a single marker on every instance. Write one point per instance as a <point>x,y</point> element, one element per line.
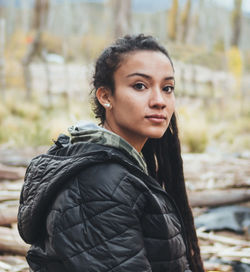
<point>96,233</point>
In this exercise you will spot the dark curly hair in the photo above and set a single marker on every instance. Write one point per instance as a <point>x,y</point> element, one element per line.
<point>163,156</point>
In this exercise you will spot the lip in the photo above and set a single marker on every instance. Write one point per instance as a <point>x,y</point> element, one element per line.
<point>156,118</point>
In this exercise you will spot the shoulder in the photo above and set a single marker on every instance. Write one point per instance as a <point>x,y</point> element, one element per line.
<point>111,181</point>
<point>104,175</point>
<point>106,181</point>
<point>104,189</point>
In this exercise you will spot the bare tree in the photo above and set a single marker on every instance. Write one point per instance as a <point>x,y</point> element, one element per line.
<point>172,21</point>
<point>185,17</point>
<point>41,13</point>
<point>236,22</point>
<point>122,17</point>
<point>2,66</point>
<point>36,47</point>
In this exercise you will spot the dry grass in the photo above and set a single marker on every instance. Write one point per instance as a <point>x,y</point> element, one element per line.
<point>33,123</point>
<point>226,129</point>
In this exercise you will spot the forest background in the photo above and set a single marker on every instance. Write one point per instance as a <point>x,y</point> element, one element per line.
<point>48,47</point>
<point>47,52</point>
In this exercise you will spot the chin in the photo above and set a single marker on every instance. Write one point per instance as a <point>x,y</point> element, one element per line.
<point>156,133</point>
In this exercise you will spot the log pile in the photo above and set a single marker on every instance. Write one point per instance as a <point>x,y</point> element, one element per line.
<point>205,171</point>
<point>12,248</point>
<point>217,180</point>
<point>214,181</point>
<point>210,182</point>
<point>226,246</point>
<point>13,264</point>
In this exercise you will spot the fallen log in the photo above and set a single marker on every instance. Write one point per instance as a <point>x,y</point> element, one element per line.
<point>222,239</point>
<point>10,242</point>
<point>14,263</point>
<point>8,216</point>
<point>216,172</point>
<point>217,267</point>
<point>9,203</point>
<point>13,260</point>
<point>211,198</point>
<point>11,185</point>
<point>4,266</point>
<point>11,173</point>
<point>9,195</point>
<point>20,157</point>
<point>225,252</point>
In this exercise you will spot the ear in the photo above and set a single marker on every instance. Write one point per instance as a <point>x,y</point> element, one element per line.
<point>104,97</point>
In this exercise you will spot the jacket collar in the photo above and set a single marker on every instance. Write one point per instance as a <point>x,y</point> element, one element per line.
<point>91,133</point>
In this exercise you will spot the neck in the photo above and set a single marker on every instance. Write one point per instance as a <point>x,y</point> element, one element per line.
<point>136,142</point>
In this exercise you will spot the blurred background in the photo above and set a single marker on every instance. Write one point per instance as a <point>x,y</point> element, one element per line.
<point>48,47</point>
<point>47,52</point>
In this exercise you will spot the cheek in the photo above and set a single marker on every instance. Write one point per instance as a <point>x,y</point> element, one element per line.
<point>171,104</point>
<point>129,104</point>
<point>130,110</point>
<point>174,104</point>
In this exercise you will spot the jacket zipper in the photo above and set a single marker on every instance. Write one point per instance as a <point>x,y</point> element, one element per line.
<point>155,185</point>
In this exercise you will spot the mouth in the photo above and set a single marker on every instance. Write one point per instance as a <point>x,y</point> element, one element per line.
<point>156,118</point>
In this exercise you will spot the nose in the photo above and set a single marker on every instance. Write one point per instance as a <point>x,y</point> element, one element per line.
<point>157,99</point>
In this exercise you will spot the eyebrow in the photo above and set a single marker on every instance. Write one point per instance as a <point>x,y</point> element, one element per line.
<point>149,77</point>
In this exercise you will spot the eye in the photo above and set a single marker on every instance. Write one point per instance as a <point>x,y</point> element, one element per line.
<point>139,86</point>
<point>168,89</point>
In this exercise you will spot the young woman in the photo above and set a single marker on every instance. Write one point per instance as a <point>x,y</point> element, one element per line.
<point>112,197</point>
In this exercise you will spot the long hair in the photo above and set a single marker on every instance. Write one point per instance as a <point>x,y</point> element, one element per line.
<point>163,156</point>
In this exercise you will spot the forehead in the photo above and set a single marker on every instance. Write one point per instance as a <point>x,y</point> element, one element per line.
<point>146,61</point>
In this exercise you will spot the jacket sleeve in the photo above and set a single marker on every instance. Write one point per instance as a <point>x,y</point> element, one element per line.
<point>96,232</point>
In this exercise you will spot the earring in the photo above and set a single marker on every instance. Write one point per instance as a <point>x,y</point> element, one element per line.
<point>107,105</point>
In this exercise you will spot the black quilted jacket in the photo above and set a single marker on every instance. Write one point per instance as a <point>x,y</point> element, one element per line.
<point>89,208</point>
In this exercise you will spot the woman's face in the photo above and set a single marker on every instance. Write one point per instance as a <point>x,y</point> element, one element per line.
<point>143,101</point>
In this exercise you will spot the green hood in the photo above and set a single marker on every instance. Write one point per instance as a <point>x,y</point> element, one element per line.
<point>90,132</point>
